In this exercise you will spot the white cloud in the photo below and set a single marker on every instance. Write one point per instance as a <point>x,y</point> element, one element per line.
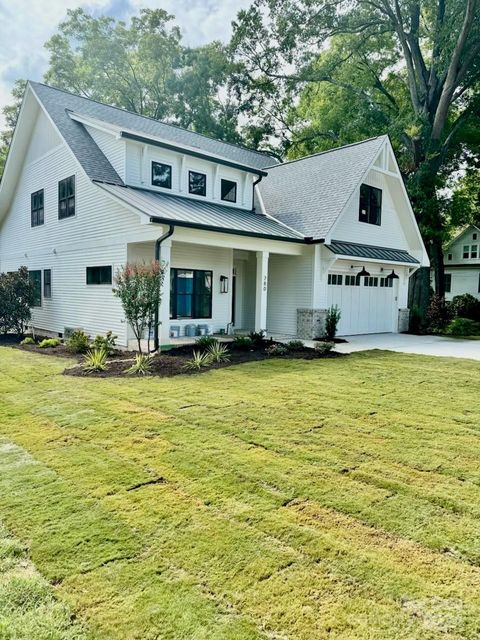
<point>25,25</point>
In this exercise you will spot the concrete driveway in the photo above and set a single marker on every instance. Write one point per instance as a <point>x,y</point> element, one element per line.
<point>404,343</point>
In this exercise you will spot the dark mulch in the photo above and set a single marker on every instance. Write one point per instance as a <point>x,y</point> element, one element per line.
<point>13,340</point>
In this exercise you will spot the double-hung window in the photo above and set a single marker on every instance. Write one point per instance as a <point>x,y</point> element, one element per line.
<point>466,251</point>
<point>66,198</point>
<point>191,293</point>
<point>370,205</point>
<point>47,283</point>
<point>36,282</point>
<point>37,209</point>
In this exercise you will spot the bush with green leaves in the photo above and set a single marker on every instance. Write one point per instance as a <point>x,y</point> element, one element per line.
<point>28,340</point>
<point>218,352</point>
<point>466,306</point>
<point>257,338</point>
<point>95,360</point>
<point>49,343</point>
<point>142,365</point>
<point>331,322</point>
<point>77,341</point>
<point>295,345</point>
<point>198,361</point>
<point>439,314</point>
<point>107,342</point>
<point>276,350</point>
<point>242,343</point>
<point>323,348</point>
<point>17,297</point>
<point>205,342</point>
<point>463,327</point>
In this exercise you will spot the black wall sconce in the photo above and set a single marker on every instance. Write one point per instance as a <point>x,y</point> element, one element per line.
<point>392,276</point>
<point>223,284</point>
<point>364,272</point>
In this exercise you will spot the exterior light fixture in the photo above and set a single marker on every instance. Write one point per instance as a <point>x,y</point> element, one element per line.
<point>392,276</point>
<point>223,284</point>
<point>364,272</point>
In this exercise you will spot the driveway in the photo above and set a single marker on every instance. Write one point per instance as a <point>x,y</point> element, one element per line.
<point>404,343</point>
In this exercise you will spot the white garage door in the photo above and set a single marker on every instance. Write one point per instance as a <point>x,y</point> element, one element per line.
<point>367,304</point>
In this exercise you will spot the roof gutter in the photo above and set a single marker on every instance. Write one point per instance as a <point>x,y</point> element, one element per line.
<point>158,243</point>
<point>190,152</point>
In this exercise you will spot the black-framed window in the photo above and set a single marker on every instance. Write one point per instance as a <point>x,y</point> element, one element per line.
<point>99,275</point>
<point>37,208</point>
<point>352,281</point>
<point>191,293</point>
<point>197,183</point>
<point>370,204</point>
<point>161,175</point>
<point>47,283</point>
<point>36,281</point>
<point>370,281</point>
<point>66,198</point>
<point>479,283</point>
<point>448,282</point>
<point>335,278</point>
<point>228,190</point>
<point>386,282</point>
<point>474,236</point>
<point>449,257</point>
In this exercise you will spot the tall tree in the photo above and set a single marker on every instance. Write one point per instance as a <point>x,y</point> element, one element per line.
<point>10,113</point>
<point>407,67</point>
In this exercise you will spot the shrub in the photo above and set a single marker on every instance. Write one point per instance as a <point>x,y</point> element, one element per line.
<point>257,337</point>
<point>276,350</point>
<point>295,345</point>
<point>463,327</point>
<point>141,366</point>
<point>466,306</point>
<point>49,343</point>
<point>218,352</point>
<point>415,323</point>
<point>77,342</point>
<point>138,286</point>
<point>242,343</point>
<point>106,342</point>
<point>198,361</point>
<point>438,314</point>
<point>322,348</point>
<point>331,322</point>
<point>17,297</point>
<point>95,360</point>
<point>28,340</point>
<point>205,342</point>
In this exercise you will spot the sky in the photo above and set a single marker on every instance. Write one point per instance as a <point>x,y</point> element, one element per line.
<point>25,25</point>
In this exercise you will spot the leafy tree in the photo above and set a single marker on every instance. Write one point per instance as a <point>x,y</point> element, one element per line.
<point>10,113</point>
<point>138,286</point>
<point>16,300</point>
<point>363,67</point>
<point>464,205</point>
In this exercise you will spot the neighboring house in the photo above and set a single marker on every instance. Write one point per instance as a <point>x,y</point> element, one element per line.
<point>247,243</point>
<point>462,264</point>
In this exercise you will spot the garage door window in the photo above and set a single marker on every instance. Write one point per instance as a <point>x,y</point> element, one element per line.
<point>386,282</point>
<point>352,281</point>
<point>371,281</point>
<point>335,278</point>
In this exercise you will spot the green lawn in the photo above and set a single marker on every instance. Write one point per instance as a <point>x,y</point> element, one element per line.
<point>277,500</point>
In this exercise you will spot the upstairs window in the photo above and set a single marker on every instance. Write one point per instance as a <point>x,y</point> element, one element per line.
<point>99,275</point>
<point>228,190</point>
<point>197,183</point>
<point>449,256</point>
<point>448,282</point>
<point>466,251</point>
<point>37,208</point>
<point>191,293</point>
<point>474,251</point>
<point>66,198</point>
<point>36,282</point>
<point>47,283</point>
<point>474,236</point>
<point>370,205</point>
<point>161,175</point>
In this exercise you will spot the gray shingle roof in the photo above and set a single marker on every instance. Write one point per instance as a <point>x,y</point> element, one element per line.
<point>205,215</point>
<point>383,254</point>
<point>58,103</point>
<point>309,194</point>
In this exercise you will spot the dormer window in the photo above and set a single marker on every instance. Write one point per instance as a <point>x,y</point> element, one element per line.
<point>197,183</point>
<point>161,175</point>
<point>228,190</point>
<point>370,204</point>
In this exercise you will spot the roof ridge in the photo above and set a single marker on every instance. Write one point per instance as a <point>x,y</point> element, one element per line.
<point>321,153</point>
<point>266,154</point>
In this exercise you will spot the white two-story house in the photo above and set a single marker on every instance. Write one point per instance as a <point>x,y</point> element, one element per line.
<point>247,243</point>
<point>462,264</point>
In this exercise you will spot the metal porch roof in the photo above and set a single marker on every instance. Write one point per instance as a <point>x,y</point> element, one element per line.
<point>382,254</point>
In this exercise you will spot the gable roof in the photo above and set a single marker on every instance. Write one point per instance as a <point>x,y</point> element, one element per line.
<point>310,194</point>
<point>60,104</point>
<point>461,233</point>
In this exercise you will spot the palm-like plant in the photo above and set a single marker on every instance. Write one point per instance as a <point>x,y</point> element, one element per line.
<point>142,365</point>
<point>218,352</point>
<point>198,361</point>
<point>95,360</point>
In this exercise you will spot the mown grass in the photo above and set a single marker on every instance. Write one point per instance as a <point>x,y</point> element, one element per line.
<point>282,499</point>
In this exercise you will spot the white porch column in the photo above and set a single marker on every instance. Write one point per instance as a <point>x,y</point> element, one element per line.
<point>164,315</point>
<point>261,291</point>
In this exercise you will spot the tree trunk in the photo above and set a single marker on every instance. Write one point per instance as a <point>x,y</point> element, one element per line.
<point>419,291</point>
<point>436,259</point>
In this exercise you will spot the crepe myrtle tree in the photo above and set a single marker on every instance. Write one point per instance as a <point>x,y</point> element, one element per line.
<point>138,285</point>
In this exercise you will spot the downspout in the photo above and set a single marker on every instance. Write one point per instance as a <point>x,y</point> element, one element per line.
<point>255,182</point>
<point>158,243</point>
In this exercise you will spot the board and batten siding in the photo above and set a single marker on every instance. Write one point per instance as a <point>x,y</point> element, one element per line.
<point>289,288</point>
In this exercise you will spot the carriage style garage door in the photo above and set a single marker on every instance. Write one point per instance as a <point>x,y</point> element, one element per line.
<point>367,304</point>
